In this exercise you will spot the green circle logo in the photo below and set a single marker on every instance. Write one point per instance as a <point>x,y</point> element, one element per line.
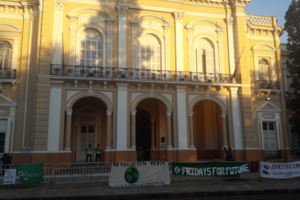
<point>131,175</point>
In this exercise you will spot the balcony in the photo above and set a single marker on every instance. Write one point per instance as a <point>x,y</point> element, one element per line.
<point>7,73</point>
<point>115,73</point>
<point>273,154</point>
<point>267,87</point>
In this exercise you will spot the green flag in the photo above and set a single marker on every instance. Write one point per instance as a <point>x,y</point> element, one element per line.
<point>31,173</point>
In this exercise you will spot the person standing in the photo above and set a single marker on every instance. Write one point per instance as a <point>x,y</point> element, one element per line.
<point>98,150</point>
<point>6,159</point>
<point>89,152</point>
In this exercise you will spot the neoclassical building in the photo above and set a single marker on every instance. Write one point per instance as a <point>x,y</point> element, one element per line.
<point>156,74</point>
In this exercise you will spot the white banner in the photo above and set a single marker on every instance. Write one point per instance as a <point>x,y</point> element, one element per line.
<point>141,173</point>
<point>9,177</point>
<point>280,170</point>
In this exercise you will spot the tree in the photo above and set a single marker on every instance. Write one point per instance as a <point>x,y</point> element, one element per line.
<point>292,27</point>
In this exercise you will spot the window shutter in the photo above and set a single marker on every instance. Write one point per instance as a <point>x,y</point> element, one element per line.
<point>209,61</point>
<point>199,60</point>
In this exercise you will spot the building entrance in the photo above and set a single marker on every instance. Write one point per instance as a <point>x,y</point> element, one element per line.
<point>86,136</point>
<point>143,132</point>
<point>208,130</point>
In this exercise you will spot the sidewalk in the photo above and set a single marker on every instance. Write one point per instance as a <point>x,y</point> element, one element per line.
<point>182,188</point>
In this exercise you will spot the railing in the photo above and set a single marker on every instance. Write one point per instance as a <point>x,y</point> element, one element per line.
<point>139,74</point>
<point>99,172</point>
<point>273,154</point>
<point>260,20</point>
<point>283,47</point>
<point>267,84</point>
<point>8,73</point>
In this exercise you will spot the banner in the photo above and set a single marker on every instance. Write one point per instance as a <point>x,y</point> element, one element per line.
<point>9,176</point>
<point>280,170</point>
<point>30,174</point>
<point>210,168</point>
<point>143,173</point>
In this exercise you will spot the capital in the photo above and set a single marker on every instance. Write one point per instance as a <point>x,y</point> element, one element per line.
<point>122,10</point>
<point>191,113</point>
<point>133,112</point>
<point>109,112</point>
<point>178,16</point>
<point>168,113</point>
<point>69,111</point>
<point>223,115</point>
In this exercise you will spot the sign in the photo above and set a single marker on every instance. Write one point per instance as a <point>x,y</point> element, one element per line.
<point>210,168</point>
<point>254,166</point>
<point>142,173</point>
<point>280,170</point>
<point>9,176</point>
<point>31,173</point>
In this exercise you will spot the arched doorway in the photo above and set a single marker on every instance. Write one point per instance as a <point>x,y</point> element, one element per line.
<point>208,130</point>
<point>143,132</point>
<point>151,129</point>
<point>88,127</point>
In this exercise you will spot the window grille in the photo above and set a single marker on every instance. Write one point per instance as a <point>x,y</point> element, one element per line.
<point>150,52</point>
<point>264,69</point>
<point>5,54</point>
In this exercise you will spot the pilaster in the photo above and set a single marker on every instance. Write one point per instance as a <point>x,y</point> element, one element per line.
<point>179,40</point>
<point>122,10</point>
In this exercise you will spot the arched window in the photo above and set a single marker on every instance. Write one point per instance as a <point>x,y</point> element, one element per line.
<point>150,52</point>
<point>204,56</point>
<point>5,54</point>
<point>91,48</point>
<point>264,72</point>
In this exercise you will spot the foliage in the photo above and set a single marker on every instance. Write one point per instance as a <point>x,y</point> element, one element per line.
<point>292,27</point>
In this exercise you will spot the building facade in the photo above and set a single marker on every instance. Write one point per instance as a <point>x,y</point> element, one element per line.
<point>156,74</point>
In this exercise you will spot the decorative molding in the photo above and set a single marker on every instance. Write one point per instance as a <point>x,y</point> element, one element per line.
<point>89,18</point>
<point>150,24</point>
<point>191,113</point>
<point>2,111</point>
<point>204,29</point>
<point>276,109</point>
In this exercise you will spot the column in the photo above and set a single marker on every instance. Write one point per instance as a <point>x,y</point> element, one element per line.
<point>230,34</point>
<point>108,129</point>
<point>68,129</point>
<point>236,118</point>
<point>122,116</point>
<point>169,130</point>
<point>132,143</point>
<point>152,134</point>
<point>181,117</point>
<point>54,116</point>
<point>57,31</point>
<point>179,40</point>
<point>122,35</point>
<point>192,142</point>
<point>224,129</point>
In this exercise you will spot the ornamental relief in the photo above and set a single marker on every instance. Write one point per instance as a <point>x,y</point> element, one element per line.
<point>204,29</point>
<point>151,24</point>
<point>89,18</point>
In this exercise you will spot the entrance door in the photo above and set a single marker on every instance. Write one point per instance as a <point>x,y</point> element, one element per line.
<point>85,137</point>
<point>269,136</point>
<point>143,132</point>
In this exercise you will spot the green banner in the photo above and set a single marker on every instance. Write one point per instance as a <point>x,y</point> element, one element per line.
<point>30,174</point>
<point>210,168</point>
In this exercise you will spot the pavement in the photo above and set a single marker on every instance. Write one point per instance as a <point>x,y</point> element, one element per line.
<point>177,189</point>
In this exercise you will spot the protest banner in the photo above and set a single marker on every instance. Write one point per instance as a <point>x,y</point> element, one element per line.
<point>9,177</point>
<point>210,168</point>
<point>280,170</point>
<point>142,173</point>
<point>30,173</point>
